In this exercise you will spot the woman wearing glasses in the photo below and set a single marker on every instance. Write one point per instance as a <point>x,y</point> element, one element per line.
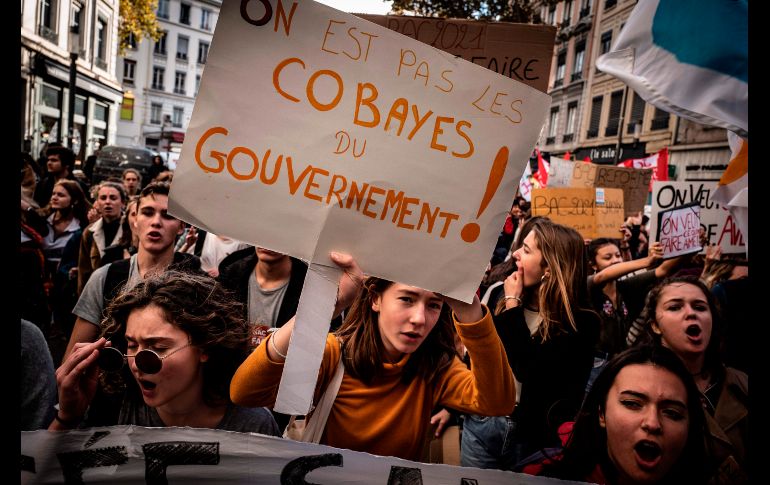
<point>176,339</point>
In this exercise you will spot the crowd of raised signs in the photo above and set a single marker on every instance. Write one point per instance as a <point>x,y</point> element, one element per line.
<point>591,360</point>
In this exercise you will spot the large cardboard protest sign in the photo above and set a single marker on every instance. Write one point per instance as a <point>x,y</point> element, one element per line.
<point>715,220</point>
<point>132,454</point>
<point>678,230</point>
<point>593,213</point>
<point>519,51</point>
<point>315,130</point>
<point>634,182</point>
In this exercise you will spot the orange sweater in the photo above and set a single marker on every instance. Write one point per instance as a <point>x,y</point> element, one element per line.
<point>388,417</point>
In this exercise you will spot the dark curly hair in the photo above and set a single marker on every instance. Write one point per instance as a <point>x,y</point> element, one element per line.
<point>363,348</point>
<point>199,306</point>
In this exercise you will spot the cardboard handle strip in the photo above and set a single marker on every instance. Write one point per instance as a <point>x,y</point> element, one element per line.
<point>306,347</point>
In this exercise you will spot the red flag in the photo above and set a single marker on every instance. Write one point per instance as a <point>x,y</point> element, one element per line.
<point>662,168</point>
<point>567,156</point>
<point>542,170</point>
<point>587,159</point>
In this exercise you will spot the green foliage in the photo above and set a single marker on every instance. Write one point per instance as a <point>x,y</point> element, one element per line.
<point>523,11</point>
<point>137,17</point>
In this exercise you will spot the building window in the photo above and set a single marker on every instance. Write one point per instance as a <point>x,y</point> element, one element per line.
<point>155,111</point>
<point>160,45</point>
<point>577,67</point>
<point>566,17</point>
<point>176,120</point>
<point>203,52</point>
<point>561,65</point>
<point>158,73</point>
<point>569,132</point>
<point>660,120</point>
<point>606,42</point>
<point>100,112</point>
<point>609,3</point>
<point>552,126</point>
<point>129,68</point>
<point>162,9</point>
<point>184,13</point>
<point>613,120</point>
<point>637,113</point>
<point>131,41</point>
<point>197,83</point>
<point>585,8</point>
<point>80,105</point>
<point>50,97</point>
<point>596,117</point>
<point>179,82</point>
<point>181,48</point>
<point>101,43</point>
<point>205,19</point>
<point>551,19</point>
<point>47,26</point>
<point>77,18</point>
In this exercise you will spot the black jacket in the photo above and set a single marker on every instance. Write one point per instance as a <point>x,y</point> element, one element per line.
<point>553,374</point>
<point>236,269</point>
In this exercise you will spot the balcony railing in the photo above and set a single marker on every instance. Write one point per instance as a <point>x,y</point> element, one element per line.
<point>592,133</point>
<point>576,76</point>
<point>48,34</point>
<point>584,12</point>
<point>567,138</point>
<point>550,140</point>
<point>558,82</point>
<point>611,130</point>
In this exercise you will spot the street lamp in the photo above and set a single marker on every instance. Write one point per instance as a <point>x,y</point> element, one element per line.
<point>164,124</point>
<point>74,37</point>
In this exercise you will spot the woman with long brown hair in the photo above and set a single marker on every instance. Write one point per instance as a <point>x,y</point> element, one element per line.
<point>397,348</point>
<point>549,332</point>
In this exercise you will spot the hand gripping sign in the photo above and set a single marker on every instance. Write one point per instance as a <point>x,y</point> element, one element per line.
<point>315,130</point>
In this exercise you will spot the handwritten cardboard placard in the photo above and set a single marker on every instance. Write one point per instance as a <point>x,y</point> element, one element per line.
<point>679,229</point>
<point>315,130</point>
<point>134,454</point>
<point>634,182</point>
<point>519,51</point>
<point>718,224</point>
<point>594,213</point>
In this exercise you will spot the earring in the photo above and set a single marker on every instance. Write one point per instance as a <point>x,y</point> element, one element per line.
<point>543,278</point>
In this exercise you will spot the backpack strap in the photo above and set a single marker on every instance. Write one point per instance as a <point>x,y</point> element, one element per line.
<point>117,276</point>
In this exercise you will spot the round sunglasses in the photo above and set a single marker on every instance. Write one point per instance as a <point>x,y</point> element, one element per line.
<point>148,361</point>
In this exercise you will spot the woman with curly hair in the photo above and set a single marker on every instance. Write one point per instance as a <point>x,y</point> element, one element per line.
<point>177,338</point>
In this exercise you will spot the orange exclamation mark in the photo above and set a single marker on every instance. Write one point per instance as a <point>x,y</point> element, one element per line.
<point>470,231</point>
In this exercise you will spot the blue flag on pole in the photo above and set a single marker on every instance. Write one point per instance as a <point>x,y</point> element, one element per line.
<point>687,57</point>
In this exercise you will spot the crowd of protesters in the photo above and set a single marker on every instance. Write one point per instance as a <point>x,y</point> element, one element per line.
<point>596,361</point>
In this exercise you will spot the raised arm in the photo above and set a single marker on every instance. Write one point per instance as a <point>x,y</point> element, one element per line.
<point>615,271</point>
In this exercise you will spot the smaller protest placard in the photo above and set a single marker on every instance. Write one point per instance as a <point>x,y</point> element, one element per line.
<point>679,230</point>
<point>560,172</point>
<point>594,213</point>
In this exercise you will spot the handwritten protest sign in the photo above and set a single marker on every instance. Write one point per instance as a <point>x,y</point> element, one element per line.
<point>519,51</point>
<point>132,454</point>
<point>678,230</point>
<point>715,220</point>
<point>634,182</point>
<point>593,213</point>
<point>560,173</point>
<point>317,131</point>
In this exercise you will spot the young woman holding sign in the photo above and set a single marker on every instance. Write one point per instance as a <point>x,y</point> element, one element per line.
<point>549,334</point>
<point>176,338</point>
<point>681,314</point>
<point>397,347</point>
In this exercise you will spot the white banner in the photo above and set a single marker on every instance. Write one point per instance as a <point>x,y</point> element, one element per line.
<point>132,454</point>
<point>315,130</point>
